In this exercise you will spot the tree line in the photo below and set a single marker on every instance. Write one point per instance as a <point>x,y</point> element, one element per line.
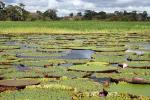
<point>18,13</point>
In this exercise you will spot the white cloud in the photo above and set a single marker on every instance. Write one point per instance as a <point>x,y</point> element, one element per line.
<point>124,1</point>
<point>65,7</point>
<point>33,5</point>
<point>53,3</point>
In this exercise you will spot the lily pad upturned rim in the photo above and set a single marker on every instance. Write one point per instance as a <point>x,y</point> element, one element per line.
<point>18,83</point>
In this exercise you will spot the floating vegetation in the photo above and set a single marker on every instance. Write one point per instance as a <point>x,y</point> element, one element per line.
<point>75,66</point>
<point>139,64</point>
<point>112,49</point>
<point>38,94</point>
<point>145,57</point>
<point>134,89</point>
<point>109,58</point>
<point>82,85</point>
<point>135,76</point>
<point>6,85</point>
<point>98,67</point>
<point>3,47</point>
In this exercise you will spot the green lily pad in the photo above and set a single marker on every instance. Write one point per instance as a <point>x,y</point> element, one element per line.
<point>93,67</point>
<point>83,85</point>
<point>109,59</point>
<point>134,89</point>
<point>17,83</point>
<point>138,76</point>
<point>139,64</point>
<point>139,58</point>
<point>9,47</point>
<point>37,94</point>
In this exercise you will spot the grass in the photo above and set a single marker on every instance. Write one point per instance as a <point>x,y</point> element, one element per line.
<point>74,27</point>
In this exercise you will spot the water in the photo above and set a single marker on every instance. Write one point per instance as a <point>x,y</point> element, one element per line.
<point>78,54</point>
<point>69,54</point>
<point>34,53</point>
<point>146,46</point>
<point>100,80</point>
<point>138,52</point>
<point>143,45</point>
<point>66,65</point>
<point>114,65</point>
<point>22,67</point>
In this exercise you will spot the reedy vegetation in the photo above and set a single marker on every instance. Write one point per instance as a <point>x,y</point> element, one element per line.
<point>71,27</point>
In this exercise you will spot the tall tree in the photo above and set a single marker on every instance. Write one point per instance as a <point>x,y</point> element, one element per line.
<point>89,14</point>
<point>102,15</point>
<point>144,15</point>
<point>71,14</point>
<point>125,13</point>
<point>14,13</point>
<point>133,16</point>
<point>2,5</point>
<point>79,14</point>
<point>21,5</point>
<point>50,14</point>
<point>40,15</point>
<point>23,12</point>
<point>2,11</point>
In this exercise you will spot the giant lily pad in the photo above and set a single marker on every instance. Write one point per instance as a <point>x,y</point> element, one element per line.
<point>139,64</point>
<point>140,76</point>
<point>18,83</point>
<point>134,89</point>
<point>82,85</point>
<point>8,47</point>
<point>93,67</point>
<point>37,94</point>
<point>109,58</point>
<point>139,58</point>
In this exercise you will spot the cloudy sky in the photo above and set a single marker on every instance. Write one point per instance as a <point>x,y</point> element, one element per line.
<point>64,7</point>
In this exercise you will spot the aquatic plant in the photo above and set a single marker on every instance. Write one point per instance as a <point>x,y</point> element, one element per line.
<point>38,94</point>
<point>134,89</point>
<point>139,57</point>
<point>128,75</point>
<point>109,59</point>
<point>31,57</point>
<point>3,47</point>
<point>138,64</point>
<point>82,85</point>
<point>93,67</point>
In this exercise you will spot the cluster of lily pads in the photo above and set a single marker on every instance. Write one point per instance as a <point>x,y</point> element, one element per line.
<point>83,66</point>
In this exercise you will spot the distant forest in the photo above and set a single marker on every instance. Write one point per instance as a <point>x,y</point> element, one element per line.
<point>18,13</point>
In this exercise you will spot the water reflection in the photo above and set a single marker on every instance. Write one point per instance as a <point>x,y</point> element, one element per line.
<point>78,54</point>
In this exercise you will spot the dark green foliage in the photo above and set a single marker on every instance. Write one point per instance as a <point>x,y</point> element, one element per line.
<point>18,13</point>
<point>50,14</point>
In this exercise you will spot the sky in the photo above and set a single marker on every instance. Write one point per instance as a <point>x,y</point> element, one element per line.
<point>64,7</point>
